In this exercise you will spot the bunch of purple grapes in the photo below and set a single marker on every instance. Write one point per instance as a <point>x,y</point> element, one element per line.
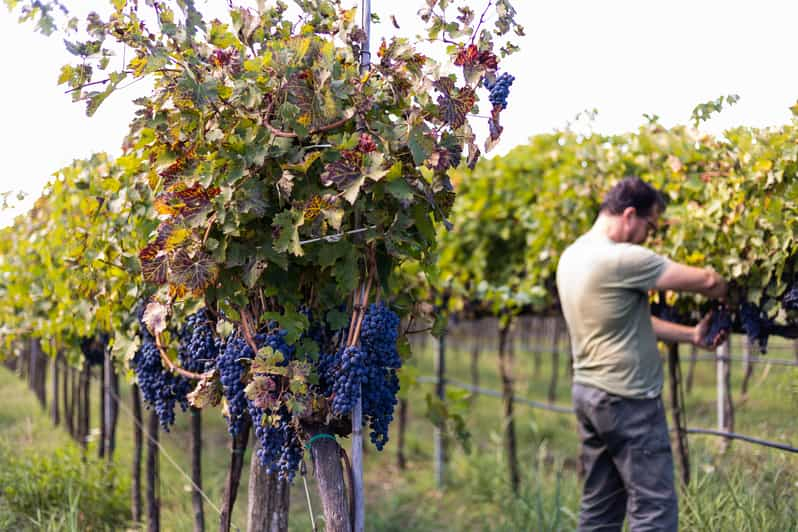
<point>367,371</point>
<point>280,450</point>
<point>499,90</point>
<point>720,322</point>
<point>198,345</point>
<point>160,388</point>
<point>756,325</point>
<point>790,299</point>
<point>232,367</point>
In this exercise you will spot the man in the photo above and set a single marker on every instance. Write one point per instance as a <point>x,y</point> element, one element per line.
<point>603,280</point>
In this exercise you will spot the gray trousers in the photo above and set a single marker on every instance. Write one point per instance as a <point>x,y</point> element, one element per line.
<point>627,462</point>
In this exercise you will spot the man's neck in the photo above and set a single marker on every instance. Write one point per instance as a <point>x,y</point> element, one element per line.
<point>609,226</point>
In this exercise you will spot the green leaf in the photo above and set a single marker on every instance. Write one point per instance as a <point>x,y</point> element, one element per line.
<point>287,224</point>
<point>336,319</point>
<point>420,144</point>
<point>399,189</point>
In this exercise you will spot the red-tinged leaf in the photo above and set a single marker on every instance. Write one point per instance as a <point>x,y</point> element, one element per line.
<point>340,174</point>
<point>314,206</point>
<point>208,391</point>
<point>195,198</point>
<point>473,155</point>
<point>439,160</point>
<point>494,128</point>
<point>182,200</point>
<point>154,317</point>
<point>467,56</point>
<point>300,92</point>
<point>172,172</point>
<point>195,271</point>
<point>488,60</point>
<point>154,264</point>
<point>454,103</point>
<point>262,392</point>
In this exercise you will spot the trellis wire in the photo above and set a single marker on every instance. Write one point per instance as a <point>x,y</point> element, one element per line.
<point>700,358</point>
<point>163,451</point>
<point>567,410</point>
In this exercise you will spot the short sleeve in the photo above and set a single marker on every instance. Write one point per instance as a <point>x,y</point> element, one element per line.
<point>639,268</point>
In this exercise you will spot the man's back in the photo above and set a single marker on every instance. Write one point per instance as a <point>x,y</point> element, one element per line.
<point>603,287</point>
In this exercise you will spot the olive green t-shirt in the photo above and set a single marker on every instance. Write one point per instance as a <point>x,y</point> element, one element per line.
<point>603,287</point>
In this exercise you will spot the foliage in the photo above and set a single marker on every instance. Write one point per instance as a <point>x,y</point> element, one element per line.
<point>730,204</point>
<point>270,174</point>
<point>69,267</point>
<point>37,488</point>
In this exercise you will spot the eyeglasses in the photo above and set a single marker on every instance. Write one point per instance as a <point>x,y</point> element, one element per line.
<point>651,227</point>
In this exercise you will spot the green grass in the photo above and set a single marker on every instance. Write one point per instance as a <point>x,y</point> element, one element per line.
<point>747,488</point>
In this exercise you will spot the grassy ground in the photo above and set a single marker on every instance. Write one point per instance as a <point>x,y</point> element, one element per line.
<point>748,488</point>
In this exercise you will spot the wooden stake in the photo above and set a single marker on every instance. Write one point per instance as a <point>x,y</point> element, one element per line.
<point>678,412</point>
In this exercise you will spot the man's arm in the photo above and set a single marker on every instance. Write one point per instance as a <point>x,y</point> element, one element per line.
<point>673,332</point>
<point>682,278</point>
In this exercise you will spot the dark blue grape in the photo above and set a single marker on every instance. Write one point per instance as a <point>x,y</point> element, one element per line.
<point>721,321</point>
<point>281,450</point>
<point>756,325</point>
<point>199,346</point>
<point>160,388</point>
<point>790,299</point>
<point>366,372</point>
<point>232,368</point>
<point>499,90</point>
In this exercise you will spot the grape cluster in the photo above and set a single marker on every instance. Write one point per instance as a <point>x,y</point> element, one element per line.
<point>721,321</point>
<point>367,371</point>
<point>756,325</point>
<point>232,371</point>
<point>378,335</point>
<point>499,90</point>
<point>159,387</point>
<point>349,375</point>
<point>790,299</point>
<point>280,450</point>
<point>199,346</point>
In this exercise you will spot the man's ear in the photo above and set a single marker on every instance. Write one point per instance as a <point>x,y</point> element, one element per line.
<point>628,213</point>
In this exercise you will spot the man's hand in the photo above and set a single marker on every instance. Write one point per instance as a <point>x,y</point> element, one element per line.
<point>720,288</point>
<point>700,334</point>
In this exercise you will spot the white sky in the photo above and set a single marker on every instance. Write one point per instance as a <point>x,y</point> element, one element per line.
<point>622,57</point>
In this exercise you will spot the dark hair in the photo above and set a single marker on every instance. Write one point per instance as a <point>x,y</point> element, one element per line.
<point>633,192</point>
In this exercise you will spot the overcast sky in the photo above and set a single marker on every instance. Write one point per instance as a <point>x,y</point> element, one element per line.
<point>622,57</point>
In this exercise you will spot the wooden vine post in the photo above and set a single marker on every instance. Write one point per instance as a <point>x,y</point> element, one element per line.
<point>238,447</point>
<point>506,372</point>
<point>269,498</point>
<point>476,347</point>
<point>678,412</point>
<point>196,469</point>
<point>691,369</point>
<point>748,366</point>
<point>55,412</point>
<point>153,481</point>
<point>66,388</point>
<point>440,393</point>
<point>556,336</point>
<point>103,414</point>
<point>401,459</point>
<point>138,440</point>
<point>725,407</point>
